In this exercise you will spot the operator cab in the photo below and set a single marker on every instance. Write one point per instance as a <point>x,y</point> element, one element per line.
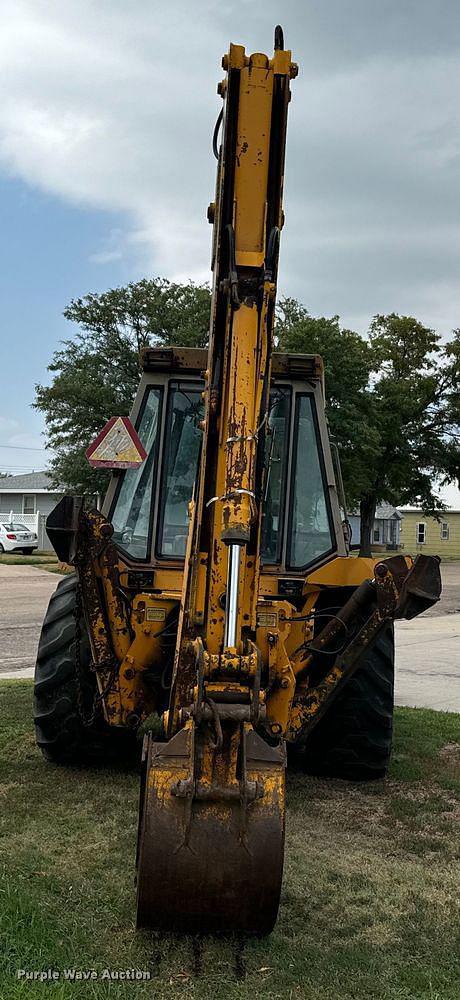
<point>148,506</point>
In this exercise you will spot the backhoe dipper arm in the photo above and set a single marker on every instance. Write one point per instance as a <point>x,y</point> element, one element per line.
<point>247,218</point>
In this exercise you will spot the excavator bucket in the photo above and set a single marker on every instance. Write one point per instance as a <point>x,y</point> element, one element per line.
<point>210,851</point>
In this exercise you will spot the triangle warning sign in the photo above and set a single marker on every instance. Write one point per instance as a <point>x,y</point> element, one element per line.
<point>118,446</point>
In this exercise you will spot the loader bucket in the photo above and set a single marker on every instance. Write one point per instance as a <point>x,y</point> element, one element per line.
<point>62,526</point>
<point>210,857</point>
<point>421,587</point>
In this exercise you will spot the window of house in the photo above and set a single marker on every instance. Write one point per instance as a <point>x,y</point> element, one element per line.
<point>421,533</point>
<point>444,531</point>
<point>28,503</point>
<point>377,534</point>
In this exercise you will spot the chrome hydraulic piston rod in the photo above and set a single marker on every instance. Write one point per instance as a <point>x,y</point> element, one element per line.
<point>231,615</point>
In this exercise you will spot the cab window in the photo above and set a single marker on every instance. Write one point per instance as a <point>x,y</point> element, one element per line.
<point>131,514</point>
<point>183,438</point>
<point>310,528</point>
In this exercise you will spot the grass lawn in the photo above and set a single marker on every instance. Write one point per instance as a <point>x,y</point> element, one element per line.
<point>44,560</point>
<point>36,559</point>
<point>370,905</point>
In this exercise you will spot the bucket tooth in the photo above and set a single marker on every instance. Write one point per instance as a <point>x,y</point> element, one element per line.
<point>210,851</point>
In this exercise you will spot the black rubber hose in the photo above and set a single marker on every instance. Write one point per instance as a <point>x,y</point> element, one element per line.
<point>215,148</point>
<point>279,38</point>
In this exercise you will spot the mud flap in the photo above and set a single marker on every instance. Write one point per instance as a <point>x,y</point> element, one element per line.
<point>210,852</point>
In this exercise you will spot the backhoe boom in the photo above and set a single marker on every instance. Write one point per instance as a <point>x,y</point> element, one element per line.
<point>225,813</point>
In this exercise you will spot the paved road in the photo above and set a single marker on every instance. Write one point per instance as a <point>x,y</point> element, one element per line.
<point>24,595</point>
<point>428,662</point>
<point>427,649</point>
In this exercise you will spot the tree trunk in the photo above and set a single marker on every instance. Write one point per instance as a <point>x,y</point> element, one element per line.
<point>367,508</point>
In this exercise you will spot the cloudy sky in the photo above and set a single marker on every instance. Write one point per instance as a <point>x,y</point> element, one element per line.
<point>105,165</point>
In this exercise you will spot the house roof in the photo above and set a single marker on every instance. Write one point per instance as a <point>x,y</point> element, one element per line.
<point>30,482</point>
<point>418,510</point>
<point>384,512</point>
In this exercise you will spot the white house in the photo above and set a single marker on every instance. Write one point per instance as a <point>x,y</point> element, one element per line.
<point>386,532</point>
<point>30,497</point>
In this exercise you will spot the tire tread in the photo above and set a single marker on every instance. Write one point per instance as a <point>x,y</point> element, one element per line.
<point>59,730</point>
<point>353,741</point>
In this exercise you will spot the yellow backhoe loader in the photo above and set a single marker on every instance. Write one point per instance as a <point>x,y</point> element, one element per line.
<point>215,606</point>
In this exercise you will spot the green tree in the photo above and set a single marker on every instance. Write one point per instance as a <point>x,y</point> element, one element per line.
<point>392,401</point>
<point>416,413</point>
<point>95,374</point>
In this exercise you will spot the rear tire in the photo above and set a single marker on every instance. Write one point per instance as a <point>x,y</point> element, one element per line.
<point>353,741</point>
<point>59,729</point>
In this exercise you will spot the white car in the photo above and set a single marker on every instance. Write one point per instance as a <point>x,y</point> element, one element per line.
<point>15,537</point>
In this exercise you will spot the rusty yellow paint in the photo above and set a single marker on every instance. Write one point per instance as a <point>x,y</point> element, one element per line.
<point>236,58</point>
<point>247,334</point>
<point>126,698</point>
<point>201,574</point>
<point>308,708</point>
<point>281,695</point>
<point>252,161</point>
<point>242,420</point>
<point>128,702</point>
<point>162,779</point>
